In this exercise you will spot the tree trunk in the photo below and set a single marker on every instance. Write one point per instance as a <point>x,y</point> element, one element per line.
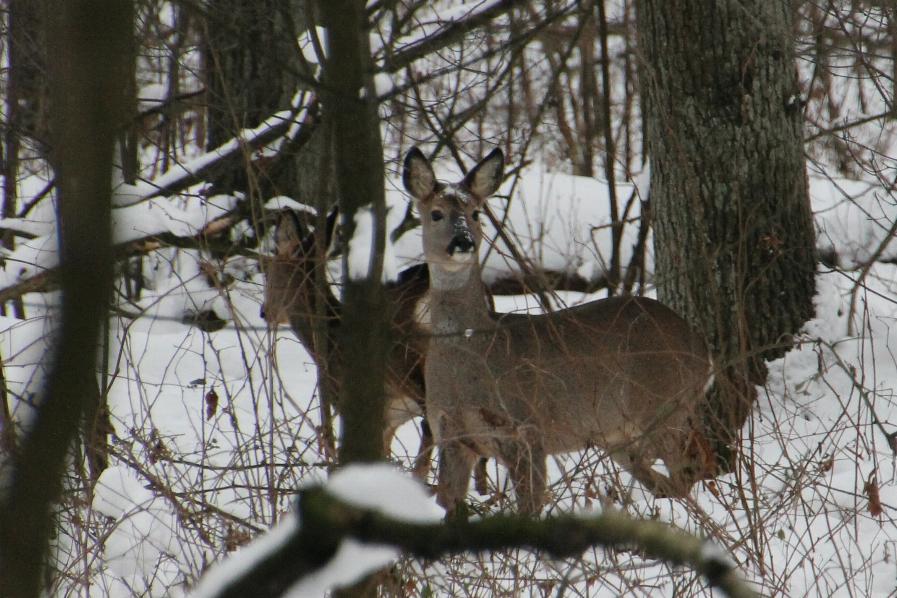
<point>250,57</point>
<point>350,111</point>
<point>734,237</point>
<point>350,108</point>
<point>90,51</point>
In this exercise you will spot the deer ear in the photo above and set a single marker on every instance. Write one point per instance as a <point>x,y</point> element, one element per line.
<point>486,176</point>
<point>330,226</point>
<point>418,176</point>
<point>288,232</point>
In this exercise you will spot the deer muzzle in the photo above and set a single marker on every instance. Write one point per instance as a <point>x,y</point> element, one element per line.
<point>461,244</point>
<point>462,239</point>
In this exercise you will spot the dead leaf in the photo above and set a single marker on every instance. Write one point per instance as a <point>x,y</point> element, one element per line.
<point>871,490</point>
<point>211,404</point>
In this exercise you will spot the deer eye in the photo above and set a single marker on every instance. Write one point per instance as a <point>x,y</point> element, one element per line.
<point>436,215</point>
<point>475,215</point>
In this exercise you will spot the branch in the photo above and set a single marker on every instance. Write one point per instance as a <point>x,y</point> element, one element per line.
<point>233,152</point>
<point>326,521</point>
<point>174,181</point>
<point>847,125</point>
<point>211,237</point>
<point>164,106</point>
<point>452,33</point>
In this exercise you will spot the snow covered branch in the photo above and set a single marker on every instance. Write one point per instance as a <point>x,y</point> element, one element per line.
<point>264,141</point>
<point>139,229</point>
<point>326,521</point>
<point>449,35</point>
<point>206,238</point>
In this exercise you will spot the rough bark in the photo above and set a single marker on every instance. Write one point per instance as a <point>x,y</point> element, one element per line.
<point>250,60</point>
<point>734,238</point>
<point>89,58</point>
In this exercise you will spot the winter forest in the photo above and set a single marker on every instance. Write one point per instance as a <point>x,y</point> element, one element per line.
<point>224,364</point>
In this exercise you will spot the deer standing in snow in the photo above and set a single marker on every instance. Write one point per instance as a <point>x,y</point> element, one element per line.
<point>624,374</point>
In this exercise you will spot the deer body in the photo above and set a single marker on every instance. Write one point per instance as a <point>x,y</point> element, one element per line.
<point>624,374</point>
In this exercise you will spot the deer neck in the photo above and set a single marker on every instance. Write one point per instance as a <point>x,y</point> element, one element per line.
<point>458,301</point>
<point>311,308</point>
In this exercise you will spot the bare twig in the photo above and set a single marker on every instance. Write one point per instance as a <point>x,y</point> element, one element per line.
<point>451,34</point>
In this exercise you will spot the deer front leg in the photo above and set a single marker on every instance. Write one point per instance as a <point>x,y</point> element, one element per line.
<point>526,466</point>
<point>424,451</point>
<point>455,464</point>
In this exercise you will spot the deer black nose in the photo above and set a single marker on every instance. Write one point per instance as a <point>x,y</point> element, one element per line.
<point>461,243</point>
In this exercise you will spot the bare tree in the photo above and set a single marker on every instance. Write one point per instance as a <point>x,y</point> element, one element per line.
<point>252,69</point>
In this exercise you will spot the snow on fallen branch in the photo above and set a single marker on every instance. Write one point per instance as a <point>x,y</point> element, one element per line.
<point>163,223</point>
<point>47,279</point>
<point>308,541</point>
<point>276,130</point>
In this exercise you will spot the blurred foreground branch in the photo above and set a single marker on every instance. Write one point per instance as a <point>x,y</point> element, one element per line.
<point>90,59</point>
<point>326,521</point>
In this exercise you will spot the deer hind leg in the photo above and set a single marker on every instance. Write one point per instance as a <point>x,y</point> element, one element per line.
<point>690,461</point>
<point>526,466</point>
<point>656,483</point>
<point>455,464</point>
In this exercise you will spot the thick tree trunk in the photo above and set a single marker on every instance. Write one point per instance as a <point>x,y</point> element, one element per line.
<point>734,238</point>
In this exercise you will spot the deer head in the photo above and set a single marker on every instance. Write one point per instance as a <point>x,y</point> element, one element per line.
<point>450,213</point>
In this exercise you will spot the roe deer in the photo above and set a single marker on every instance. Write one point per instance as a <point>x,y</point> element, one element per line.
<point>291,296</point>
<point>624,374</point>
